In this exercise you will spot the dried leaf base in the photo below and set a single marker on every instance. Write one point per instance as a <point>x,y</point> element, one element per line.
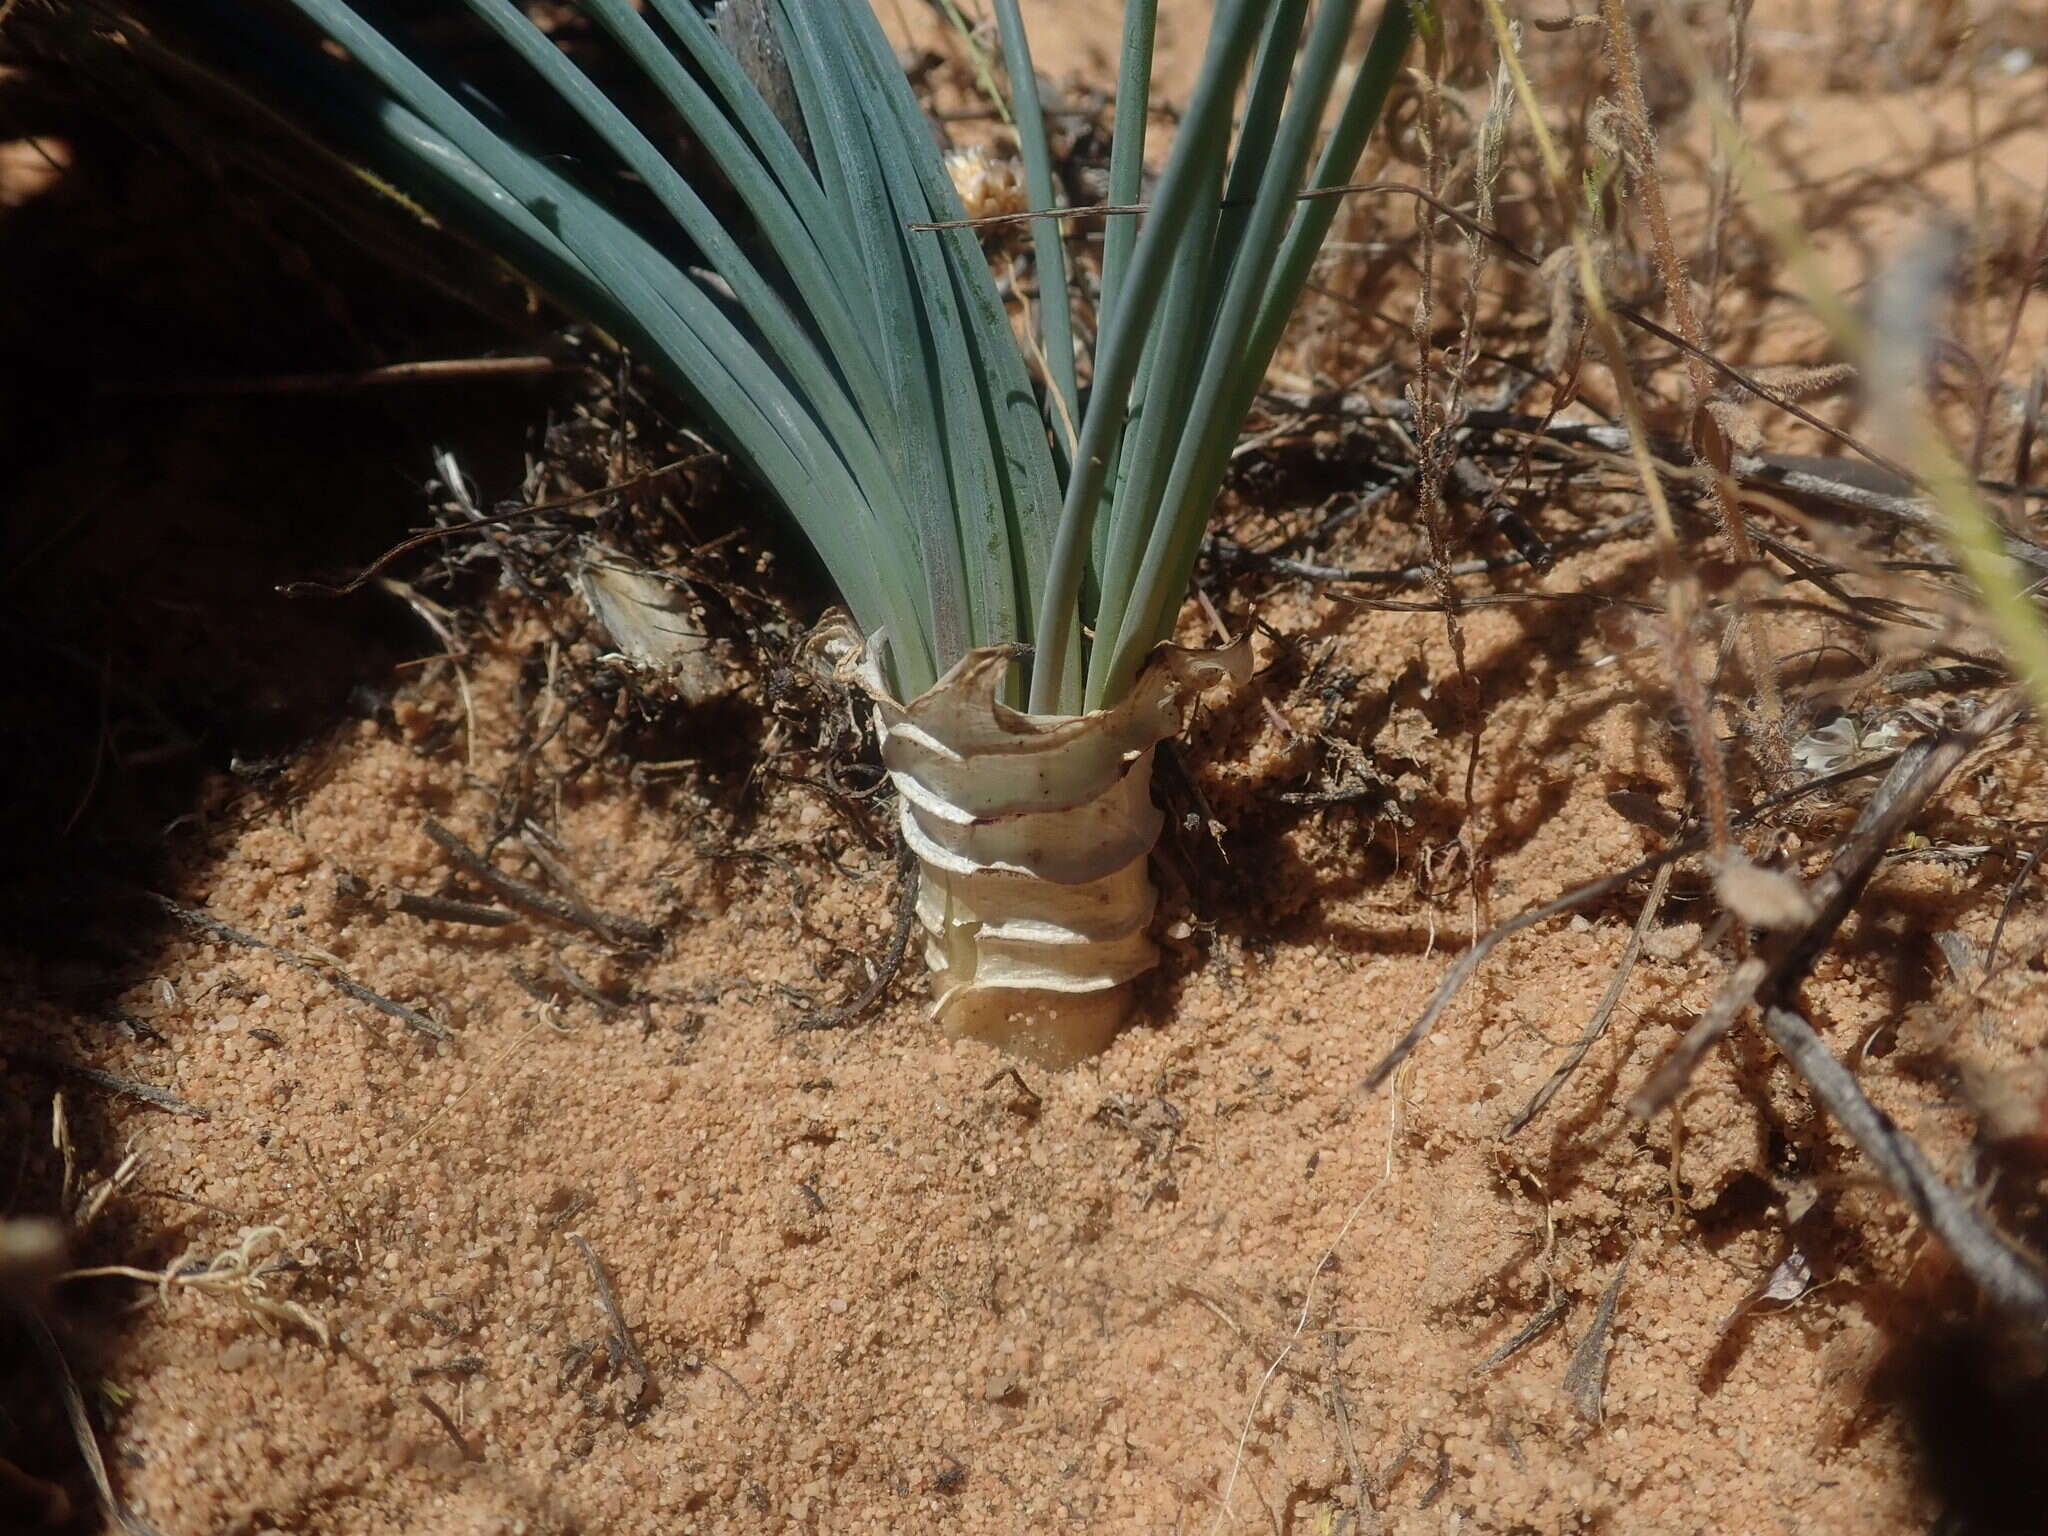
<point>1033,835</point>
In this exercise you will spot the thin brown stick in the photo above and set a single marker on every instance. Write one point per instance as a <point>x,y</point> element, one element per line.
<point>564,880</point>
<point>467,525</point>
<point>1715,450</point>
<point>609,926</point>
<point>1552,1312</point>
<point>640,1386</point>
<point>2012,895</point>
<point>1592,891</point>
<point>1721,198</point>
<point>1774,973</point>
<point>583,987</point>
<point>1227,553</point>
<point>127,1087</point>
<point>469,1452</point>
<point>892,962</point>
<point>1993,375</point>
<point>333,975</point>
<point>2005,1275</point>
<point>447,909</point>
<point>1621,49</point>
<point>1593,1031</point>
<point>1846,483</point>
<point>1364,1517</point>
<point>1676,1070</point>
<point>1026,1094</point>
<point>2023,450</point>
<point>1680,588</point>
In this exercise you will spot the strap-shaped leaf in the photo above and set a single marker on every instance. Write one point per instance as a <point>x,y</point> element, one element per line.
<point>1278,249</point>
<point>1056,323</point>
<point>1127,150</point>
<point>690,339</point>
<point>1188,178</point>
<point>1280,160</point>
<point>864,367</point>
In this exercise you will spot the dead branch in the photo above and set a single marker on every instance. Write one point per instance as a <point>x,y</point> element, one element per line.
<point>469,1452</point>
<point>1552,1313</point>
<point>1602,1015</point>
<point>639,1379</point>
<point>127,1087</point>
<point>609,926</point>
<point>333,975</point>
<point>447,909</point>
<point>1592,891</point>
<point>1782,961</point>
<point>2005,1276</point>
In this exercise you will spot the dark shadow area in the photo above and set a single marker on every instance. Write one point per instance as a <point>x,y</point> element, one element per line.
<point>1978,1407</point>
<point>161,484</point>
<point>160,481</point>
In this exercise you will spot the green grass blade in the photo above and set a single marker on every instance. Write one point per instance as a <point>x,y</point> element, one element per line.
<point>1127,151</point>
<point>1213,419</point>
<point>1056,672</point>
<point>794,225</point>
<point>1055,306</point>
<point>696,347</point>
<point>1253,159</point>
<point>974,504</point>
<point>836,116</point>
<point>742,103</point>
<point>1027,478</point>
<point>401,155</point>
<point>1120,232</point>
<point>1336,166</point>
<point>721,73</point>
<point>1166,389</point>
<point>1190,328</point>
<point>794,347</point>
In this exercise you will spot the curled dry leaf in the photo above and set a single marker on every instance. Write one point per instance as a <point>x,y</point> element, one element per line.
<point>652,621</point>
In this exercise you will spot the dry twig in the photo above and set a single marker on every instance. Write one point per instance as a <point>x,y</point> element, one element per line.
<point>127,1087</point>
<point>639,1379</point>
<point>892,962</point>
<point>566,908</point>
<point>1593,890</point>
<point>1590,1036</point>
<point>333,975</point>
<point>2005,1275</point>
<point>1774,973</point>
<point>1552,1313</point>
<point>469,1452</point>
<point>447,909</point>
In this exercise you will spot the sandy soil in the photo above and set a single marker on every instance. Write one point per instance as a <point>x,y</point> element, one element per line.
<point>872,1280</point>
<point>877,1284</point>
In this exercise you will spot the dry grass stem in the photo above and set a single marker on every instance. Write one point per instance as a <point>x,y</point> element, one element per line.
<point>238,1276</point>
